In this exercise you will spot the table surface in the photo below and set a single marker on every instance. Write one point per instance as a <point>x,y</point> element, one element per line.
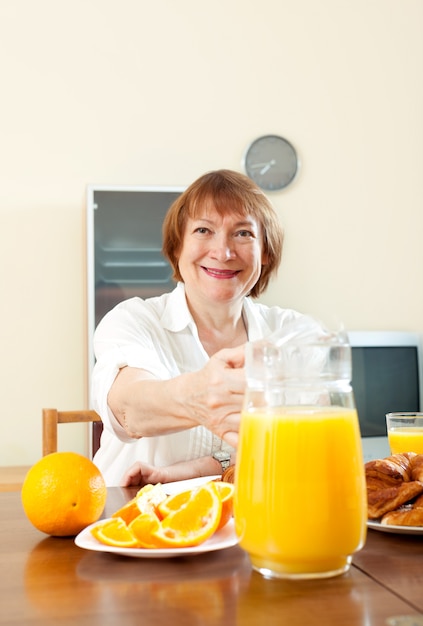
<point>47,580</point>
<point>12,477</point>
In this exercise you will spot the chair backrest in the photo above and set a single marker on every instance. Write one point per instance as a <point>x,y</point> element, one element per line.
<point>53,417</point>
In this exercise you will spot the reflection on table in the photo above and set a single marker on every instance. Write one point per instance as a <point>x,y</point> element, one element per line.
<point>48,580</point>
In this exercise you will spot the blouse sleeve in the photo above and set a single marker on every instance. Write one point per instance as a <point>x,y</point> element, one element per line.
<point>129,335</point>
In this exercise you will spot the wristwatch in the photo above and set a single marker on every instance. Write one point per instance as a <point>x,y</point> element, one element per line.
<point>223,457</point>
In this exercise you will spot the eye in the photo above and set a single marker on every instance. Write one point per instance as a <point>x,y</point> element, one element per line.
<point>202,230</point>
<point>244,234</point>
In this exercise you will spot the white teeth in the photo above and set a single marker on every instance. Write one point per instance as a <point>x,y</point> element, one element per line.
<point>220,272</point>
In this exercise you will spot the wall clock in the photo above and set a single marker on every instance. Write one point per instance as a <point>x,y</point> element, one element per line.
<point>271,162</point>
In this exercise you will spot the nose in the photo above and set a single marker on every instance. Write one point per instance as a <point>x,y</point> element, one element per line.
<point>223,248</point>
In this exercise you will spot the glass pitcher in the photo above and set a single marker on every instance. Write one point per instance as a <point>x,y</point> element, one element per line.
<point>300,504</point>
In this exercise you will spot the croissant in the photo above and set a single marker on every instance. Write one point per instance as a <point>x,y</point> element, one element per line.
<point>418,502</point>
<point>381,501</point>
<point>417,467</point>
<point>392,483</point>
<point>409,516</point>
<point>391,470</point>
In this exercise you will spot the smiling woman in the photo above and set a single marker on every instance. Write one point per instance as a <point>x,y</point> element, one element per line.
<point>226,193</point>
<point>220,262</point>
<point>169,379</point>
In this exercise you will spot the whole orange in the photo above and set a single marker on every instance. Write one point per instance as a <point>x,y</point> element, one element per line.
<point>63,493</point>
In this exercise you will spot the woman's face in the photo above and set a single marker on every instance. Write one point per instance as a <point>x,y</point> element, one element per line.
<point>221,255</point>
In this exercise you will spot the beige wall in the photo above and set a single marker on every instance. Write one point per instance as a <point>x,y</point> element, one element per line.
<point>145,93</point>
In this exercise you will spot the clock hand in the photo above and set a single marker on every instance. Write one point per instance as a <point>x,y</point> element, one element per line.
<point>267,166</point>
<point>257,165</point>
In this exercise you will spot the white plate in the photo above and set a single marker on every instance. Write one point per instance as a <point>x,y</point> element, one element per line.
<point>224,538</point>
<point>183,485</point>
<point>398,530</point>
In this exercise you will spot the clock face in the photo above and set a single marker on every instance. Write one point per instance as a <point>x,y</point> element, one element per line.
<point>271,162</point>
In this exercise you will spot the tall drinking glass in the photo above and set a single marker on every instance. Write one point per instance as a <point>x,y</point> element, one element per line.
<point>405,432</point>
<point>300,503</point>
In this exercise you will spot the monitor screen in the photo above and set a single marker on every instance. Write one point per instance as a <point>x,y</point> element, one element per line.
<point>384,379</point>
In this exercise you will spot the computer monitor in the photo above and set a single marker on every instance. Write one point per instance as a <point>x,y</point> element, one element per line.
<point>387,376</point>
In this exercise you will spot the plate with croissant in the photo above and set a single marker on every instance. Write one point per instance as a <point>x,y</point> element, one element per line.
<point>395,493</point>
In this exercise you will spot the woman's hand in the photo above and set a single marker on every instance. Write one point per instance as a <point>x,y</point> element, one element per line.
<point>141,474</point>
<point>217,394</point>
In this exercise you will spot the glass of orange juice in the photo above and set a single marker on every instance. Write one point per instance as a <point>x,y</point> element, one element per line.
<point>405,432</point>
<point>300,505</point>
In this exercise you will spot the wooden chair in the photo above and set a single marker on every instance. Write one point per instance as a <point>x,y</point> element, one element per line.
<point>53,417</point>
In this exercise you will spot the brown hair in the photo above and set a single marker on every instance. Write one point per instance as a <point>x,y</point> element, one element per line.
<point>227,191</point>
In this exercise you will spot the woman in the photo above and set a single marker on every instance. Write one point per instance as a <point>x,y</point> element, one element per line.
<point>168,380</point>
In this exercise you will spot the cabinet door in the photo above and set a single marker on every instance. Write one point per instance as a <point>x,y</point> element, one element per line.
<point>124,241</point>
<point>124,245</point>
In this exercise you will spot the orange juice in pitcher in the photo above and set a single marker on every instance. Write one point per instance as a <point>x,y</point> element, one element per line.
<point>300,499</point>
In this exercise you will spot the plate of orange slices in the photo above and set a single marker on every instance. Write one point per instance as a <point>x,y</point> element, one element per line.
<point>193,519</point>
<point>225,538</point>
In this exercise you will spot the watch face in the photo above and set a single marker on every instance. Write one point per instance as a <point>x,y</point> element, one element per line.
<point>271,162</point>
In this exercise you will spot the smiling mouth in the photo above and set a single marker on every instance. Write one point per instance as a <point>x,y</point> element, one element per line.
<point>220,273</point>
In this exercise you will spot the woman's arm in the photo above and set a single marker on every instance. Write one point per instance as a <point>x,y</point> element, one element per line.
<point>211,397</point>
<point>140,474</point>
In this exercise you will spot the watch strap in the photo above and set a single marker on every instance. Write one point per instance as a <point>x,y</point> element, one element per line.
<point>224,458</point>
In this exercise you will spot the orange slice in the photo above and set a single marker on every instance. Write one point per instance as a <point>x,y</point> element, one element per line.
<point>194,520</point>
<point>144,528</point>
<point>114,532</point>
<point>149,497</point>
<point>175,502</point>
<point>146,501</point>
<point>226,494</point>
<point>128,512</point>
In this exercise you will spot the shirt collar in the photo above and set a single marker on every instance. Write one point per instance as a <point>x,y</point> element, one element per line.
<point>256,325</point>
<point>176,315</point>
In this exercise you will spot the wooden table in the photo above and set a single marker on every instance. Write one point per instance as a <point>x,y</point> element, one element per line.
<point>12,477</point>
<point>50,581</point>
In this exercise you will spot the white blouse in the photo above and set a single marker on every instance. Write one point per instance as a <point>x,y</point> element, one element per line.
<point>159,335</point>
